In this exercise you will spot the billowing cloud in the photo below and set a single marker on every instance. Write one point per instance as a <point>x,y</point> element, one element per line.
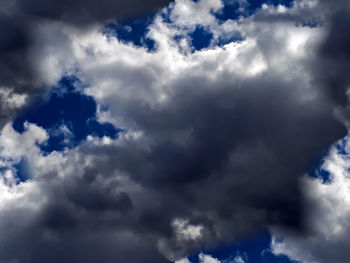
<point>328,214</point>
<point>213,142</point>
<point>18,23</point>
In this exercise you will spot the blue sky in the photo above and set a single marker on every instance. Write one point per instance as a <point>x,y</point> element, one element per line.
<point>65,110</point>
<point>201,131</point>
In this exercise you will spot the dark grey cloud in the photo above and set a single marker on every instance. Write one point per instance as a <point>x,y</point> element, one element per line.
<point>233,169</point>
<point>15,68</point>
<point>327,214</point>
<point>329,241</point>
<point>80,11</point>
<point>335,52</point>
<point>218,154</point>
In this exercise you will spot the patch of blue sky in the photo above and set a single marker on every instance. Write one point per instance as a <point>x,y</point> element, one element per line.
<point>201,38</point>
<point>253,249</point>
<point>132,31</point>
<point>22,169</point>
<point>68,116</point>
<point>233,9</point>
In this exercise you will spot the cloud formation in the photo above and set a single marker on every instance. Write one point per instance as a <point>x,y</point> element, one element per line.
<point>328,214</point>
<point>213,143</point>
<point>18,23</point>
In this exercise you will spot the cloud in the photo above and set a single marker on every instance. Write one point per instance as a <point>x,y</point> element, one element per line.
<point>62,214</point>
<point>204,258</point>
<point>212,147</point>
<point>328,213</point>
<point>207,259</point>
<point>334,50</point>
<point>18,23</point>
<point>85,11</point>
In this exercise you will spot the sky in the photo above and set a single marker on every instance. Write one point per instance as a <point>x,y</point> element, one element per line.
<point>187,131</point>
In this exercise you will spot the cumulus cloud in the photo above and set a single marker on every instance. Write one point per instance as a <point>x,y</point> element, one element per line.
<point>18,23</point>
<point>207,259</point>
<point>212,145</point>
<point>328,202</point>
<point>328,214</point>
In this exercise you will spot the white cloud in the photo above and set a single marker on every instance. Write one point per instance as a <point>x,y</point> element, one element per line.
<point>15,145</point>
<point>238,259</point>
<point>188,13</point>
<point>12,100</point>
<point>185,260</point>
<point>110,67</point>
<point>185,231</point>
<point>203,258</point>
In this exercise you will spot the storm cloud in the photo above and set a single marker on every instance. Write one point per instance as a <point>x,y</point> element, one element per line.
<point>213,141</point>
<point>327,214</point>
